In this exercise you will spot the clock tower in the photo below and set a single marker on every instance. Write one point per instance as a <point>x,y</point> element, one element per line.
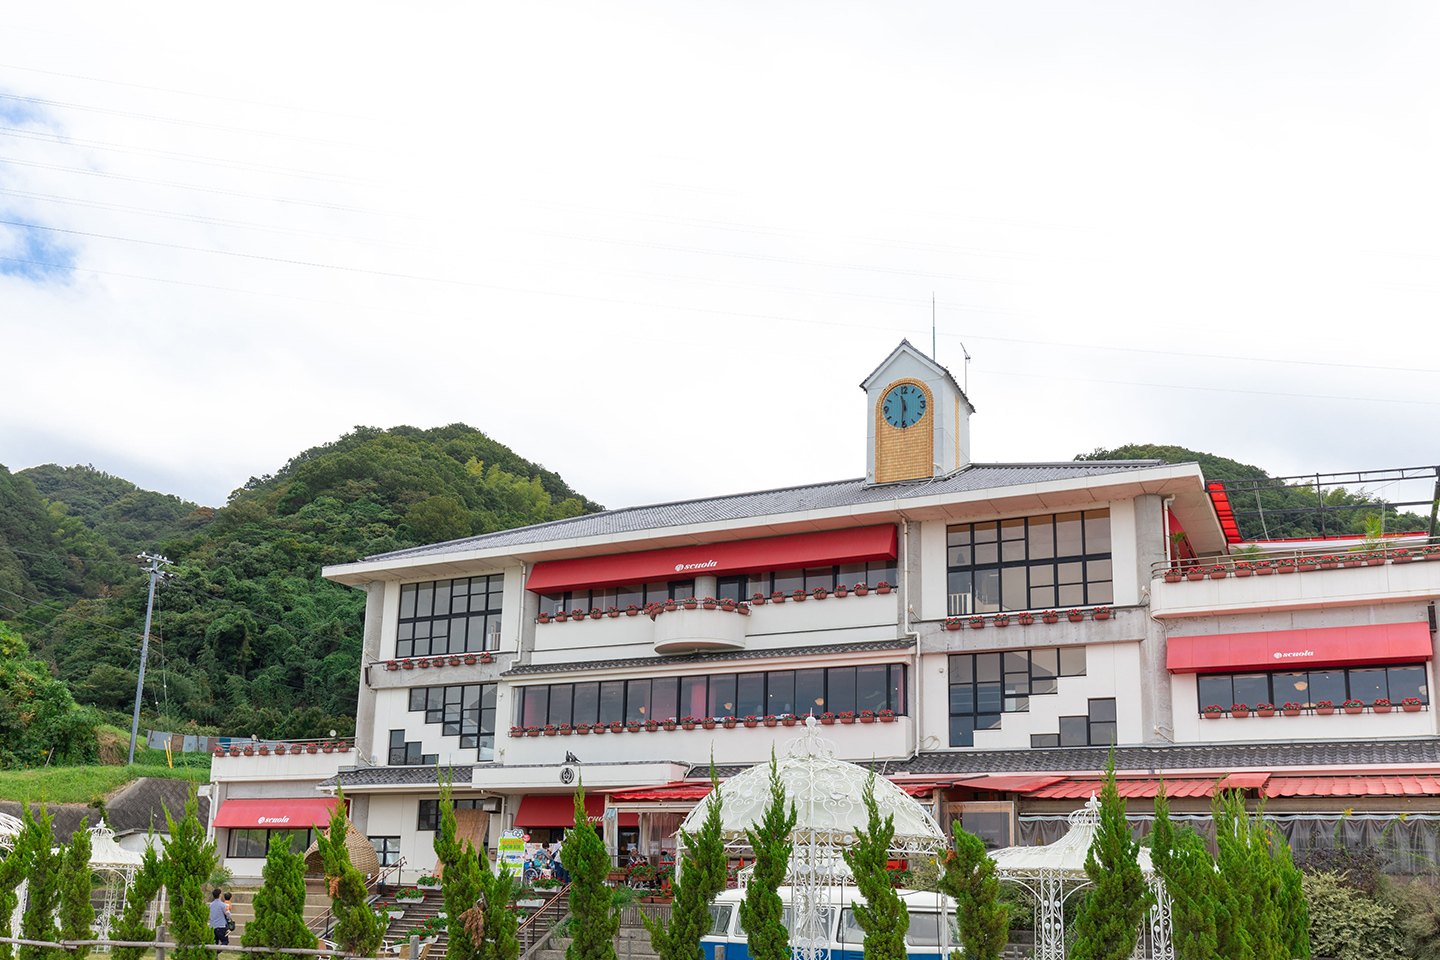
<point>918,419</point>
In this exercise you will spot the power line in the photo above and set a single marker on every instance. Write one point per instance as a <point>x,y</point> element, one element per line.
<point>63,613</point>
<point>1178,386</point>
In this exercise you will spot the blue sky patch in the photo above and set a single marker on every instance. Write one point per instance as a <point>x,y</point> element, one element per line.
<point>35,255</point>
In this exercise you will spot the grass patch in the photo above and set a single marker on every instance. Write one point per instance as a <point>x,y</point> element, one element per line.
<point>84,784</point>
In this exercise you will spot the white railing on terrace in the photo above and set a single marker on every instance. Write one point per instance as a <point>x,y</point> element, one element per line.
<point>1301,559</point>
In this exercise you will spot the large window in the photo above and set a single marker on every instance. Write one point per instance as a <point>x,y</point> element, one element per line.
<point>429,814</point>
<point>619,598</point>
<point>875,687</point>
<point>810,579</point>
<point>450,616</point>
<point>256,843</point>
<point>1030,563</point>
<point>387,849</point>
<point>1095,729</point>
<point>466,711</point>
<point>405,753</point>
<point>985,685</point>
<point>1309,687</point>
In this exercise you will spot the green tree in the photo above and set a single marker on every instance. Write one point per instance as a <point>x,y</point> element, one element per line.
<point>460,881</point>
<point>1110,918</point>
<point>138,898</point>
<point>357,929</point>
<point>1346,924</point>
<point>593,920</point>
<point>969,878</point>
<point>771,842</point>
<point>279,904</point>
<point>38,719</point>
<point>42,891</point>
<point>77,913</point>
<point>1290,902</point>
<point>498,934</point>
<point>701,876</point>
<point>1184,864</point>
<point>12,872</point>
<point>883,915</point>
<point>189,859</point>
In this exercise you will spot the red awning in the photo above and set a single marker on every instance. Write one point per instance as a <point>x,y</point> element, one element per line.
<point>1243,781</point>
<point>1019,783</point>
<point>1318,647</point>
<point>921,787</point>
<point>680,791</point>
<point>298,813</point>
<point>1141,789</point>
<point>1352,787</point>
<point>854,545</point>
<point>1221,501</point>
<point>627,819</point>
<point>556,810</point>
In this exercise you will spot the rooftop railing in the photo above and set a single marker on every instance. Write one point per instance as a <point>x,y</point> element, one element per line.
<point>1300,560</point>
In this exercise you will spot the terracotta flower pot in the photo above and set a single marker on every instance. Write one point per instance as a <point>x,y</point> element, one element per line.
<point>1243,571</point>
<point>424,664</point>
<point>1264,571</point>
<point>883,589</point>
<point>1212,714</point>
<point>1102,614</point>
<point>708,724</point>
<point>729,724</point>
<point>1239,714</point>
<point>953,624</point>
<point>1051,619</point>
<point>688,726</point>
<point>866,719</point>
<point>887,719</point>
<point>772,722</point>
<point>1410,707</point>
<point>861,591</point>
<point>752,723</point>
<point>1324,711</point>
<point>1076,617</point>
<point>1291,713</point>
<point>1173,578</point>
<point>1381,708</point>
<point>1354,710</point>
<point>1195,575</point>
<point>392,665</point>
<point>1264,713</point>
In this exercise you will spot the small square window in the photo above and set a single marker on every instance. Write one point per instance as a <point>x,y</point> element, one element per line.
<point>1041,740</point>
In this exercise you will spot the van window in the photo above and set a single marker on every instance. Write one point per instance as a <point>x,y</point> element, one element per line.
<point>720,918</point>
<point>850,929</point>
<point>925,929</point>
<point>827,921</point>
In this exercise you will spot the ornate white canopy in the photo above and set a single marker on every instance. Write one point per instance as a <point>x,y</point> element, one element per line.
<point>105,853</point>
<point>10,828</point>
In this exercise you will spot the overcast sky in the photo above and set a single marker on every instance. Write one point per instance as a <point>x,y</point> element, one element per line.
<point>657,246</point>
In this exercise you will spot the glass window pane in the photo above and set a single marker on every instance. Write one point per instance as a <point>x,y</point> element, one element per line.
<point>1016,661</point>
<point>1017,685</point>
<point>612,701</point>
<point>665,698</point>
<point>631,594</point>
<point>657,592</point>
<point>962,668</point>
<point>1072,661</point>
<point>1097,531</point>
<point>959,556</point>
<point>1067,535</point>
<point>925,929</point>
<point>1074,731</point>
<point>780,692</point>
<point>537,706</point>
<point>1250,689</point>
<point>842,689</point>
<point>962,698</point>
<point>991,826</point>
<point>1042,598</point>
<point>960,600</point>
<point>986,532</point>
<point>987,721</point>
<point>823,577</point>
<point>637,700</point>
<point>417,698</point>
<point>587,703</point>
<point>720,919</point>
<point>1369,685</point>
<point>407,601</point>
<point>957,534</point>
<point>750,695</point>
<point>962,731</point>
<point>1102,710</point>
<point>987,666</point>
<point>1012,540</point>
<point>1100,592</point>
<point>1071,595</point>
<point>810,692</point>
<point>1013,591</point>
<point>989,697</point>
<point>987,554</point>
<point>1215,692</point>
<point>1038,740</point>
<point>1042,538</point>
<point>1408,682</point>
<point>1044,663</point>
<point>788,581</point>
<point>1102,734</point>
<point>731,588</point>
<point>1096,570</point>
<point>680,589</point>
<point>692,697</point>
<point>1291,688</point>
<point>897,688</point>
<point>871,687</point>
<point>560,698</point>
<point>1327,685</point>
<point>424,599</point>
<point>722,695</point>
<point>1043,685</point>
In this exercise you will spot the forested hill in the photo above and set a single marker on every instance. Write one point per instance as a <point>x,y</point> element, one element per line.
<point>1303,516</point>
<point>248,637</point>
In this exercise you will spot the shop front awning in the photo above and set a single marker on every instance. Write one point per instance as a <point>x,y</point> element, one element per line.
<point>555,810</point>
<point>1298,649</point>
<point>678,791</point>
<point>298,813</point>
<point>1129,789</point>
<point>825,548</point>
<point>1011,783</point>
<point>1376,786</point>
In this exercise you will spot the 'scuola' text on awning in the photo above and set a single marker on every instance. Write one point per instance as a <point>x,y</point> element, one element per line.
<point>1300,649</point>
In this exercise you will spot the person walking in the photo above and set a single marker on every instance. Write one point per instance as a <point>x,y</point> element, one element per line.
<point>220,918</point>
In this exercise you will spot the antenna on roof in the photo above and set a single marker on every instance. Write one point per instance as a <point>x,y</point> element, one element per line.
<point>965,376</point>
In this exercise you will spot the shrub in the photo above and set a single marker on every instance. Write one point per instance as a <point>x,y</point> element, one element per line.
<point>1346,924</point>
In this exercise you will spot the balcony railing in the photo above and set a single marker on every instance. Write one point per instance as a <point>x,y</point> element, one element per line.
<point>1298,561</point>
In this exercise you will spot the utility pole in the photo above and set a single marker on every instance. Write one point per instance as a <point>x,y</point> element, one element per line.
<point>155,560</point>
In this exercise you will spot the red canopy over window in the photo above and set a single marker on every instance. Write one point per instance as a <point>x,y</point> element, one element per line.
<point>855,545</point>
<point>299,813</point>
<point>557,810</point>
<point>1284,649</point>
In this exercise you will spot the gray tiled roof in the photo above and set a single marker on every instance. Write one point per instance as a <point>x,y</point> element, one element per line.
<point>386,776</point>
<point>1154,759</point>
<point>570,666</point>
<point>819,496</point>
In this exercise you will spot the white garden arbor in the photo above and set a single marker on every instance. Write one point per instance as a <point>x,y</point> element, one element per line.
<point>117,866</point>
<point>829,799</point>
<point>1054,872</point>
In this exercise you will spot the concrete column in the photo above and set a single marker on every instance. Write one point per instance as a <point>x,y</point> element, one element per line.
<point>369,652</point>
<point>1156,714</point>
<point>707,586</point>
<point>529,610</point>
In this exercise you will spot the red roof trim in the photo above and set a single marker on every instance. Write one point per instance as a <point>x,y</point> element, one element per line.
<point>1220,500</point>
<point>672,792</point>
<point>1014,783</point>
<point>1317,647</point>
<point>283,813</point>
<point>852,545</point>
<point>1353,787</point>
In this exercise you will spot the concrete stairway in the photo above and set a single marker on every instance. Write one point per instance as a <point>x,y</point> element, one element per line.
<point>416,914</point>
<point>242,905</point>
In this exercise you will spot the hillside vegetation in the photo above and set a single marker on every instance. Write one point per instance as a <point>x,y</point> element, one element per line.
<point>248,638</point>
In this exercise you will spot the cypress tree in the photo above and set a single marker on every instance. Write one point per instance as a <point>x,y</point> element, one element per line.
<point>498,939</point>
<point>77,913</point>
<point>280,902</point>
<point>459,881</point>
<point>357,929</point>
<point>189,861</point>
<point>1235,911</point>
<point>1265,889</point>
<point>593,921</point>
<point>43,892</point>
<point>762,909</point>
<point>700,877</point>
<point>12,873</point>
<point>1290,903</point>
<point>131,924</point>
<point>1184,864</point>
<point>883,916</point>
<point>969,878</point>
<point>1109,920</point>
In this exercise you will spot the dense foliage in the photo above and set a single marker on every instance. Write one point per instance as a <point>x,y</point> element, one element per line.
<point>247,638</point>
<point>969,878</point>
<point>77,913</point>
<point>761,912</point>
<point>460,881</point>
<point>1110,918</point>
<point>357,928</point>
<point>1188,872</point>
<point>1346,924</point>
<point>43,866</point>
<point>189,860</point>
<point>883,915</point>
<point>1306,520</point>
<point>279,904</point>
<point>594,921</point>
<point>138,897</point>
<point>701,876</point>
<point>497,929</point>
<point>39,721</point>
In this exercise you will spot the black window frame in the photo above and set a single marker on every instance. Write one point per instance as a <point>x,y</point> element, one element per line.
<point>570,601</point>
<point>1423,692</point>
<point>448,706</point>
<point>237,834</point>
<point>387,850</point>
<point>1010,689</point>
<point>408,754</point>
<point>438,628</point>
<point>427,812</point>
<point>963,548</point>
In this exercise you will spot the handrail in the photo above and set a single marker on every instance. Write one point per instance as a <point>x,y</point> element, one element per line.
<point>1418,547</point>
<point>544,909</point>
<point>322,922</point>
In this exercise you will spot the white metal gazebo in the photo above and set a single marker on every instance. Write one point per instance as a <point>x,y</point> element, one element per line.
<point>117,866</point>
<point>828,794</point>
<point>1054,872</point>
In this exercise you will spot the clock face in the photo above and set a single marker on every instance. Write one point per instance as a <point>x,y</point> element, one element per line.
<point>903,406</point>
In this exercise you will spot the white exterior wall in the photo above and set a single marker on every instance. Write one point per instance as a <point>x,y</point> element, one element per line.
<point>1123,548</point>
